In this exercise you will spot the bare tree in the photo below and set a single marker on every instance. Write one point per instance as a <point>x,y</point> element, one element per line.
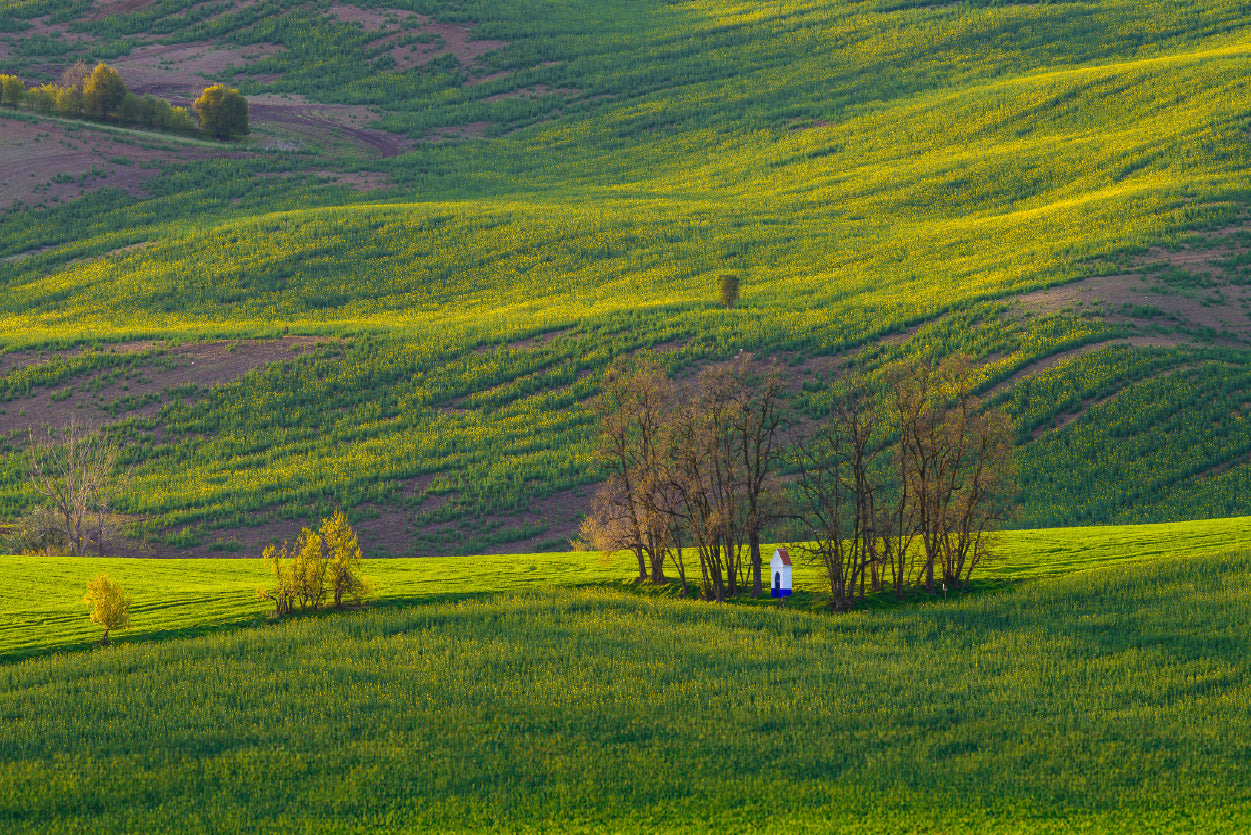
<point>76,473</point>
<point>105,523</point>
<point>718,400</point>
<point>957,467</point>
<point>708,479</point>
<point>75,77</point>
<point>702,472</point>
<point>840,489</point>
<point>757,428</point>
<point>628,515</point>
<point>972,471</point>
<point>899,509</point>
<point>692,475</point>
<point>905,483</point>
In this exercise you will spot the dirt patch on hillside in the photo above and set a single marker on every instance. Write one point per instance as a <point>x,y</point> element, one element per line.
<point>1200,287</point>
<point>357,180</point>
<point>449,39</point>
<point>473,130</point>
<point>536,341</point>
<point>117,7</point>
<point>394,531</point>
<point>330,126</point>
<point>107,395</point>
<point>182,70</point>
<point>10,361</point>
<point>1047,363</point>
<point>54,160</point>
<point>371,20</point>
<point>178,72</point>
<point>535,92</point>
<point>1063,419</point>
<point>1137,296</point>
<point>558,517</point>
<point>561,512</point>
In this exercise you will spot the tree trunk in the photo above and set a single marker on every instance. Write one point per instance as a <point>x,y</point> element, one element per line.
<point>754,538</point>
<point>929,567</point>
<point>75,534</point>
<point>656,555</point>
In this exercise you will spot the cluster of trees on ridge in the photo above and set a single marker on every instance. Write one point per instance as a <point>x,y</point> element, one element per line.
<point>898,487</point>
<point>101,94</point>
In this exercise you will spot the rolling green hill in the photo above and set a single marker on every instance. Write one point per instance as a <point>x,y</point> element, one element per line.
<point>1058,189</point>
<point>397,295</point>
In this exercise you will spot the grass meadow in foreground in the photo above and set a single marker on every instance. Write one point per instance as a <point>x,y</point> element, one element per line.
<point>1107,700</point>
<point>43,610</point>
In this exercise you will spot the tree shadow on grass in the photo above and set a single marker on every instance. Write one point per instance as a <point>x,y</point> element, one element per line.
<point>818,602</point>
<point>801,601</point>
<point>251,621</point>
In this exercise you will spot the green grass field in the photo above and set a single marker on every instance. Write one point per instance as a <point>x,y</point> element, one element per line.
<point>44,612</point>
<point>1108,697</point>
<point>871,170</point>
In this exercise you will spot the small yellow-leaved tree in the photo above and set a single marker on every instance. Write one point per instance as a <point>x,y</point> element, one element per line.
<point>343,553</point>
<point>308,570</point>
<point>223,112</point>
<point>282,593</point>
<point>103,92</point>
<point>322,563</point>
<point>110,609</point>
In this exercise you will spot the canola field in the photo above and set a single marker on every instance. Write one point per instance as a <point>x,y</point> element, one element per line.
<point>874,172</point>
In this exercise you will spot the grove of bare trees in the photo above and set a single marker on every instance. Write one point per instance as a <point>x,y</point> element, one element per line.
<point>692,464</point>
<point>899,487</point>
<point>904,482</point>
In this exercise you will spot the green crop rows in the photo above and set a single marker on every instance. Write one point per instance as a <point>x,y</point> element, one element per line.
<point>869,170</point>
